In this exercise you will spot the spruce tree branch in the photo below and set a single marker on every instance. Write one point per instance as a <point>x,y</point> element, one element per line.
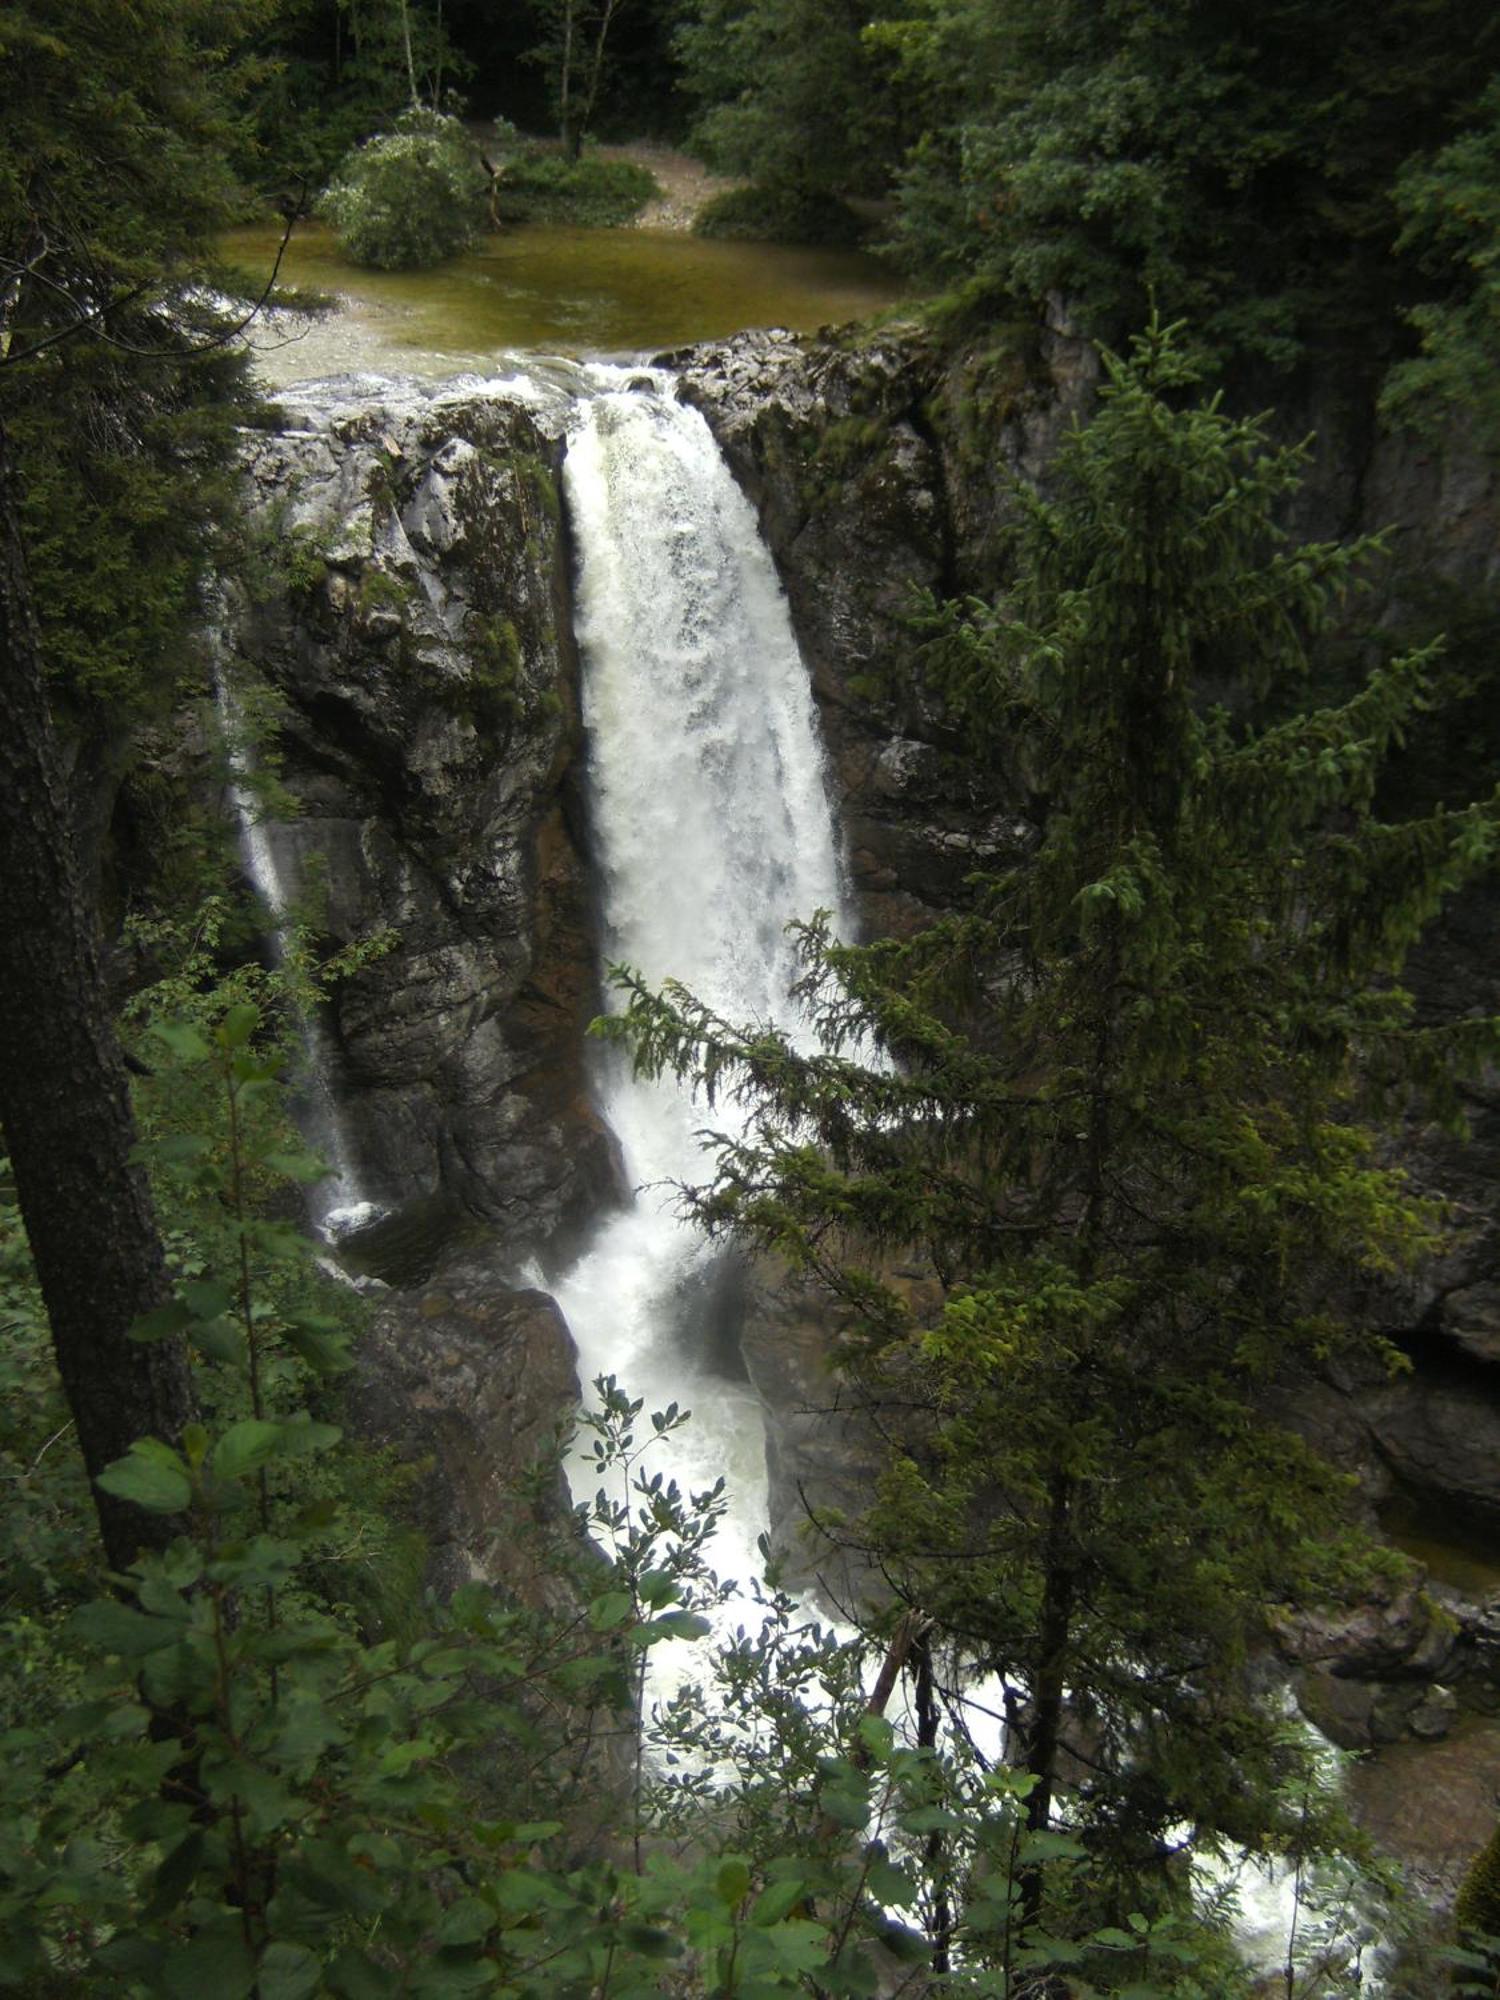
<point>98,315</point>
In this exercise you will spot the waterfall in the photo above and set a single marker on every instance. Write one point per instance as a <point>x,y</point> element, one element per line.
<point>338,1205</point>
<point>713,829</point>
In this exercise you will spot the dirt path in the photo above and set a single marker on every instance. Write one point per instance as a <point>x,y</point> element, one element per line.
<point>686,183</point>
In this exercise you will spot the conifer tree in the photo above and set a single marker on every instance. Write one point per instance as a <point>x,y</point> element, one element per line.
<point>115,391</point>
<point>1118,1112</point>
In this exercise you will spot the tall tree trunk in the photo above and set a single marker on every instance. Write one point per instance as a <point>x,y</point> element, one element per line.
<point>64,1100</point>
<point>411,72</point>
<point>929,1721</point>
<point>572,137</point>
<point>1049,1690</point>
<point>596,67</point>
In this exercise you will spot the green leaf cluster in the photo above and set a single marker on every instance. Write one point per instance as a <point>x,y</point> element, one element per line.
<point>116,389</point>
<point>408,197</point>
<point>1449,202</point>
<point>232,1775</point>
<point>794,95</point>
<point>587,193</point>
<point>328,73</point>
<point>1305,180</point>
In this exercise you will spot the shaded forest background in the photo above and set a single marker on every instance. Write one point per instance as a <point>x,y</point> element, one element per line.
<point>1309,178</point>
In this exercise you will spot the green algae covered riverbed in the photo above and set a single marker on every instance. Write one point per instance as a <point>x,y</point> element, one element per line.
<point>586,292</point>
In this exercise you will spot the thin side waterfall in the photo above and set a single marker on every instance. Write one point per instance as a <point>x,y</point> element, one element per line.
<point>338,1205</point>
<point>713,829</point>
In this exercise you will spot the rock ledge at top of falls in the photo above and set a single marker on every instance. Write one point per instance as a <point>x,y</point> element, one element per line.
<point>872,486</point>
<point>412,629</point>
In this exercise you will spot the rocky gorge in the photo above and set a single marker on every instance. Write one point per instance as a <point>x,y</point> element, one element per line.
<point>413,648</point>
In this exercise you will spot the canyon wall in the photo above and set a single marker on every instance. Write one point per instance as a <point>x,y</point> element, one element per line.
<point>414,632</point>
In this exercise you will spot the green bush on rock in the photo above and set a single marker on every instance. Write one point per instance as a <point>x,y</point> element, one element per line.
<point>408,197</point>
<point>780,214</point>
<point>591,193</point>
<point>1478,1905</point>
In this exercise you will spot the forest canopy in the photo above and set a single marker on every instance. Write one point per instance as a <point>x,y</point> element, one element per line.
<point>1302,179</point>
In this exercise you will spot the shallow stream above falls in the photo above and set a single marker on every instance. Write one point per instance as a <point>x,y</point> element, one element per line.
<point>557,290</point>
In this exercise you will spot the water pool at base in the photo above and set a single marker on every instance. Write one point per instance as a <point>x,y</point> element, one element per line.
<point>568,291</point>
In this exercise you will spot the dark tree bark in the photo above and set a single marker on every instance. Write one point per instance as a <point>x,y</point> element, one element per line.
<point>64,1101</point>
<point>569,131</point>
<point>1050,1681</point>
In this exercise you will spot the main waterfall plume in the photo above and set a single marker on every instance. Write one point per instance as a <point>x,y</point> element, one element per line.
<point>713,829</point>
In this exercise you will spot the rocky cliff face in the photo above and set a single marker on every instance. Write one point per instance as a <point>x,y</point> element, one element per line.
<point>414,634</point>
<point>406,662</point>
<point>877,479</point>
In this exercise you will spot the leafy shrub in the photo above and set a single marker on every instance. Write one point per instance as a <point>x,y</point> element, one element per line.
<point>779,214</point>
<point>1478,1906</point>
<point>597,194</point>
<point>409,197</point>
<point>229,1777</point>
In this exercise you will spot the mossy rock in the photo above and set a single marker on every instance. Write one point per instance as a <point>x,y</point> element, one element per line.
<point>1476,1910</point>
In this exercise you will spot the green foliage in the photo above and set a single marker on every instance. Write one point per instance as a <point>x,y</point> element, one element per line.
<point>1116,1132</point>
<point>1244,170</point>
<point>332,71</point>
<point>301,1751</point>
<point>1477,1907</point>
<point>542,186</point>
<point>573,53</point>
<point>117,400</point>
<point>408,197</point>
<point>145,93</point>
<point>793,95</point>
<point>276,556</point>
<point>120,535</point>
<point>1475,1968</point>
<point>820,1848</point>
<point>44,1497</point>
<point>231,1779</point>
<point>1450,209</point>
<point>495,696</point>
<point>1169,152</point>
<point>780,214</point>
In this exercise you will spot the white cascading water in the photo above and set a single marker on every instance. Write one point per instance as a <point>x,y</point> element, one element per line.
<point>713,830</point>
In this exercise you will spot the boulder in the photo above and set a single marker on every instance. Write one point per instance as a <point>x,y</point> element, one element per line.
<point>1397,1630</point>
<point>1431,1805</point>
<point>477,1379</point>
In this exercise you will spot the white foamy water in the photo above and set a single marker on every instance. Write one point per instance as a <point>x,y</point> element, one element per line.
<point>713,829</point>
